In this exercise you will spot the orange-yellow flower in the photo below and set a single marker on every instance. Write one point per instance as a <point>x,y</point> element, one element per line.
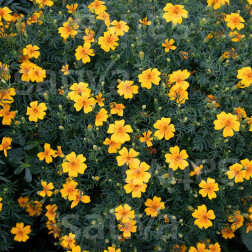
<point>97,7</point>
<point>201,247</point>
<point>197,170</point>
<point>247,164</point>
<point>84,101</point>
<point>176,159</point>
<point>21,232</point>
<point>127,157</point>
<point>116,108</point>
<point>227,121</point>
<point>124,213</point>
<point>108,41</point>
<point>58,153</point>
<point>136,190</point>
<point>68,29</point>
<point>138,173</point>
<point>105,17</point>
<point>68,241</point>
<point>1,204</point>
<point>46,154</point>
<point>164,129</point>
<point>34,208</point>
<point>51,212</point>
<point>65,69</point>
<point>23,201</point>
<point>74,165</point>
<point>216,4</point>
<point>69,190</point>
<point>5,14</point>
<point>37,74</point>
<point>179,78</point>
<point>7,115</point>
<point>126,89</point>
<point>80,197</point>
<point>168,45</point>
<point>203,217</point>
<point>214,247</point>
<point>78,89</point>
<point>119,28</point>
<point>174,13</point>
<point>146,138</point>
<point>153,206</point>
<point>89,38</point>
<point>237,172</point>
<point>145,22</point>
<point>236,219</point>
<point>235,21</point>
<point>25,70</point>
<point>245,74</point>
<point>236,37</point>
<point>227,233</point>
<point>6,96</point>
<point>113,145</point>
<point>5,145</point>
<point>148,77</point>
<point>127,227</point>
<point>46,189</point>
<point>209,188</point>
<point>31,51</point>
<point>178,93</point>
<point>43,3</point>
<point>111,249</point>
<point>101,117</point>
<point>83,53</point>
<point>72,8</point>
<point>100,100</point>
<point>120,131</point>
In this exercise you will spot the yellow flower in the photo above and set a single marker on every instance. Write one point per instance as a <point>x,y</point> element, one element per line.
<point>203,217</point>
<point>236,219</point>
<point>236,172</point>
<point>101,117</point>
<point>124,213</point>
<point>146,138</point>
<point>127,157</point>
<point>1,204</point>
<point>112,249</point>
<point>25,70</point>
<point>138,173</point>
<point>108,41</point>
<point>36,111</point>
<point>236,37</point>
<point>5,14</point>
<point>83,53</point>
<point>227,233</point>
<point>46,189</point>
<point>78,89</point>
<point>100,100</point>
<point>245,74</point>
<point>4,70</point>
<point>46,154</point>
<point>23,201</point>
<point>148,77</point>
<point>119,28</point>
<point>216,4</point>
<point>43,3</point>
<point>97,7</point>
<point>177,159</point>
<point>113,145</point>
<point>145,22</point>
<point>201,247</point>
<point>68,29</point>
<point>136,189</point>
<point>127,227</point>
<point>80,197</point>
<point>5,145</point>
<point>153,206</point>
<point>89,38</point>
<point>126,89</point>
<point>174,13</point>
<point>235,21</point>
<point>104,16</point>
<point>116,108</point>
<point>119,131</point>
<point>7,115</point>
<point>227,121</point>
<point>209,188</point>
<point>179,78</point>
<point>69,190</point>
<point>196,171</point>
<point>34,208</point>
<point>51,212</point>
<point>68,241</point>
<point>164,129</point>
<point>179,94</point>
<point>168,45</point>
<point>65,69</point>
<point>214,247</point>
<point>21,232</point>
<point>247,164</point>
<point>6,96</point>
<point>37,74</point>
<point>72,8</point>
<point>31,51</point>
<point>84,101</point>
<point>74,165</point>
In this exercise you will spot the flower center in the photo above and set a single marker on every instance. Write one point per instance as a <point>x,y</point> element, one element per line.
<point>176,10</point>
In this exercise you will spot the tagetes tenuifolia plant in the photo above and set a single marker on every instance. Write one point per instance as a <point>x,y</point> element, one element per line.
<point>126,125</point>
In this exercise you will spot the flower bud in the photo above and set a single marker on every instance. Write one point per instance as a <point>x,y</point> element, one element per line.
<point>141,55</point>
<point>61,127</point>
<point>46,96</point>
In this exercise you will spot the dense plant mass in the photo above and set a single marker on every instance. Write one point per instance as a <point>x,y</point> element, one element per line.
<point>126,125</point>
